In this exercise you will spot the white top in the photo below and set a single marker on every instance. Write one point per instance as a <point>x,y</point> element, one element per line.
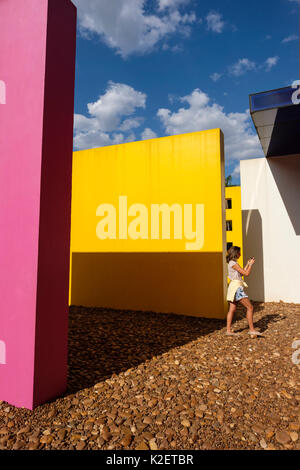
<point>232,273</point>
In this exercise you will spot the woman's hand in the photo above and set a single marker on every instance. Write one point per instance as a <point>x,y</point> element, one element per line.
<point>247,270</point>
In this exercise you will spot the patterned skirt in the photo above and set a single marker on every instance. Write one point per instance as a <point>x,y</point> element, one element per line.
<point>240,294</point>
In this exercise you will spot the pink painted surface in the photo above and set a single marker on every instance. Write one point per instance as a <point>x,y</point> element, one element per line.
<point>37,66</point>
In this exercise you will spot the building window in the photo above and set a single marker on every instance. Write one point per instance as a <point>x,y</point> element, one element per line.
<point>229,225</point>
<point>228,203</point>
<point>229,245</point>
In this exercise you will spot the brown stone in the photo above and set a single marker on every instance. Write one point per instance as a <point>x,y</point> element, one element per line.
<point>283,437</point>
<point>142,446</point>
<point>106,434</point>
<point>269,433</point>
<point>46,440</point>
<point>274,418</point>
<point>61,434</point>
<point>203,407</point>
<point>147,420</point>
<point>152,444</point>
<point>185,423</point>
<point>220,416</point>
<point>81,445</point>
<point>294,426</point>
<point>52,413</point>
<point>19,444</point>
<point>263,444</point>
<point>258,428</point>
<point>126,440</point>
<point>148,435</point>
<point>33,445</point>
<point>294,436</point>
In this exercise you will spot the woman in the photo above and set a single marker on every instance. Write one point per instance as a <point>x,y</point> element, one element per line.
<point>236,291</point>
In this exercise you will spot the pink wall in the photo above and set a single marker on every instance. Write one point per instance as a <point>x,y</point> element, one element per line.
<point>37,66</point>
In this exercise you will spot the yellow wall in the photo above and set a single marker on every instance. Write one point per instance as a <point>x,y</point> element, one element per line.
<point>235,214</point>
<point>169,274</point>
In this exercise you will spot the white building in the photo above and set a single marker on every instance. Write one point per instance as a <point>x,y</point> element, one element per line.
<point>271,200</point>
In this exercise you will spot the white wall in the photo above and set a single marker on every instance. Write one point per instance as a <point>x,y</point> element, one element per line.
<point>271,227</point>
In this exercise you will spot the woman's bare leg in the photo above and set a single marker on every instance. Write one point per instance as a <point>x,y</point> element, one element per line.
<point>246,303</point>
<point>232,309</point>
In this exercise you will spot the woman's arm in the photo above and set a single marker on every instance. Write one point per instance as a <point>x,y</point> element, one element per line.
<point>247,270</point>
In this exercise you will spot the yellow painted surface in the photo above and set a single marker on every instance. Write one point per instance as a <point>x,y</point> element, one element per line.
<point>235,214</point>
<point>124,252</point>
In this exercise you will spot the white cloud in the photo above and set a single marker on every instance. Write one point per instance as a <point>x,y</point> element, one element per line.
<point>236,172</point>
<point>214,22</point>
<point>240,140</point>
<point>106,117</point>
<point>148,134</point>
<point>293,37</point>
<point>171,3</point>
<point>124,25</point>
<point>119,100</point>
<point>111,120</point>
<point>216,76</point>
<point>175,48</point>
<point>95,138</point>
<point>270,63</point>
<point>241,67</point>
<point>131,123</point>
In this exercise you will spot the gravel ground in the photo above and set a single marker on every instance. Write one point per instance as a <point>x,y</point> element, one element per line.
<point>140,380</point>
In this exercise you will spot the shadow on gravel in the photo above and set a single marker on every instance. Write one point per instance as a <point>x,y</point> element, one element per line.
<point>103,342</point>
<point>263,323</point>
<point>241,311</point>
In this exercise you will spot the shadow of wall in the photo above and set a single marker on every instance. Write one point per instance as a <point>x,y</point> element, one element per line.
<point>103,342</point>
<point>253,246</point>
<point>286,173</point>
<point>181,283</point>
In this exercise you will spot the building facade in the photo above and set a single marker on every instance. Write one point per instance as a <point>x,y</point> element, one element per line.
<point>148,226</point>
<point>271,226</point>
<point>234,231</point>
<point>271,197</point>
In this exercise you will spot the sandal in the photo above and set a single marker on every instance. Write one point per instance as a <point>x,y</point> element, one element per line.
<point>231,333</point>
<point>255,333</point>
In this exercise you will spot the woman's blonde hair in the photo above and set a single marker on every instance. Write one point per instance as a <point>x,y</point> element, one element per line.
<point>233,253</point>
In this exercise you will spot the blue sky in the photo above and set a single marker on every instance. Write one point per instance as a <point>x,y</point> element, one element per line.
<point>150,68</point>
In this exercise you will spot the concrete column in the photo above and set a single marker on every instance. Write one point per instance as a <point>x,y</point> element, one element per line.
<point>37,67</point>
